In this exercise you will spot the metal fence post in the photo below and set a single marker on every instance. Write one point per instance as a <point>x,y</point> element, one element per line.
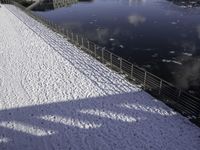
<point>102,55</point>
<point>120,65</point>
<point>95,51</point>
<point>72,36</point>
<point>145,78</point>
<point>132,71</point>
<point>77,39</point>
<point>160,87</point>
<point>82,41</point>
<point>88,45</point>
<point>66,33</point>
<point>111,59</point>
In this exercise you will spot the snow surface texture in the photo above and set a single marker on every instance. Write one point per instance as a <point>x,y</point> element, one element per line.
<point>55,97</point>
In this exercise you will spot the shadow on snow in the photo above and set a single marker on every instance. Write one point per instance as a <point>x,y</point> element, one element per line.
<point>122,121</point>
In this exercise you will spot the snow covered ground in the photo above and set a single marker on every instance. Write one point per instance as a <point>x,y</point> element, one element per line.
<point>55,97</point>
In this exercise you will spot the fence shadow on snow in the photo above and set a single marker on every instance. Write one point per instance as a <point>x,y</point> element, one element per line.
<point>121,121</point>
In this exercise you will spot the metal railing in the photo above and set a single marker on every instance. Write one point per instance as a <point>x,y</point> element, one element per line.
<point>178,99</point>
<point>5,1</point>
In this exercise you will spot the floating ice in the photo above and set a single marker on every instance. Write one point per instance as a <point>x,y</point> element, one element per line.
<point>111,39</point>
<point>187,54</point>
<point>166,60</point>
<point>177,62</point>
<point>121,46</point>
<point>171,61</point>
<point>172,52</point>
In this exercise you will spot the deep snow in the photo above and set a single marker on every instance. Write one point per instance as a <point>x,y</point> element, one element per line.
<point>54,96</point>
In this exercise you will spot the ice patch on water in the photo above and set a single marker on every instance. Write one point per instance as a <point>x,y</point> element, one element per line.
<point>121,46</point>
<point>111,39</point>
<point>166,60</point>
<point>187,54</point>
<point>177,62</point>
<point>171,61</point>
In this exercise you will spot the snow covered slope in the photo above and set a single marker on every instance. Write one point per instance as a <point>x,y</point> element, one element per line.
<point>55,97</point>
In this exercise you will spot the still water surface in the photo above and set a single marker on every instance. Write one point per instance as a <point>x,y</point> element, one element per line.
<point>162,36</point>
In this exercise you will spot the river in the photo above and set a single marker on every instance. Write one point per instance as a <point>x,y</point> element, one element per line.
<point>162,36</point>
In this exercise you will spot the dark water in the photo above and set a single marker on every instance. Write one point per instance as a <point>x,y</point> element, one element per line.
<point>162,36</point>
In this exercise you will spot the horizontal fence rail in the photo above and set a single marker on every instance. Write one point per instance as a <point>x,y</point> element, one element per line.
<point>178,99</point>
